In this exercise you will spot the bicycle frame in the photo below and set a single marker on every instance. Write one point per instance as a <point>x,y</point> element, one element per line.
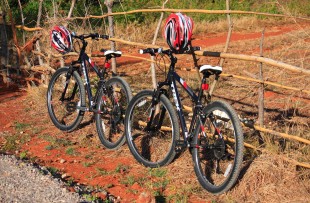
<point>171,79</point>
<point>83,59</point>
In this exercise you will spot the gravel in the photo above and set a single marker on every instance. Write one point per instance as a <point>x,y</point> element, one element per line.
<point>22,182</point>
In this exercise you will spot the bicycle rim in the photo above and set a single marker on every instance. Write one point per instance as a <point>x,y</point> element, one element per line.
<point>217,160</point>
<point>153,146</point>
<point>110,122</point>
<point>65,114</point>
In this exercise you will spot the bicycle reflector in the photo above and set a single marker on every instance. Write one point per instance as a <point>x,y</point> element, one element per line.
<point>107,65</point>
<point>204,86</point>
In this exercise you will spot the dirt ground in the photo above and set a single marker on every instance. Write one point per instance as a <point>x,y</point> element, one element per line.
<point>23,112</point>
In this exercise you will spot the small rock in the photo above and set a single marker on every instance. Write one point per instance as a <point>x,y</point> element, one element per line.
<point>145,197</point>
<point>7,125</point>
<point>63,176</point>
<point>62,161</point>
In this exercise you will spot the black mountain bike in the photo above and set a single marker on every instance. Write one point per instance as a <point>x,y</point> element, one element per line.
<point>214,137</point>
<point>66,96</point>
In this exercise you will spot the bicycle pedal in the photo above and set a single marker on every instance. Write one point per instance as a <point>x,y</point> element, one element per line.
<point>180,146</point>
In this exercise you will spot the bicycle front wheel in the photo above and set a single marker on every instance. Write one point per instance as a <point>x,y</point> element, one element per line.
<point>151,130</point>
<point>219,148</point>
<point>111,106</point>
<point>64,104</point>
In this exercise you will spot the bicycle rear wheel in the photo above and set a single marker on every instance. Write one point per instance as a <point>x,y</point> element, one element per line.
<point>217,161</point>
<point>64,111</point>
<point>151,130</point>
<point>112,107</point>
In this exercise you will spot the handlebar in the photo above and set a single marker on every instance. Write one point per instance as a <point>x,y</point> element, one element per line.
<point>153,51</point>
<point>211,53</point>
<point>91,35</point>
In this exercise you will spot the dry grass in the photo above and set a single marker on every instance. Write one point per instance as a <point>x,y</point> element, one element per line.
<point>270,178</point>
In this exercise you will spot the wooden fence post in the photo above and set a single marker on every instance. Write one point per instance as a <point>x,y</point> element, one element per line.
<point>261,87</point>
<point>230,27</point>
<point>153,71</point>
<point>109,4</point>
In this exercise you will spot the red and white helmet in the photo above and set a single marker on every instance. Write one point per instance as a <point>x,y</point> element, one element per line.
<point>178,31</point>
<point>61,39</point>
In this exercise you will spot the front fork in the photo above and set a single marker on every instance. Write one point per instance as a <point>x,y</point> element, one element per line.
<point>155,111</point>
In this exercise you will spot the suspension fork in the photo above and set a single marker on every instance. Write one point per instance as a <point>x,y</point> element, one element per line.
<point>68,77</point>
<point>155,111</point>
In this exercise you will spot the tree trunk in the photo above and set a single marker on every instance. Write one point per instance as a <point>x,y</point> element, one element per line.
<point>38,25</point>
<point>109,4</point>
<point>71,8</point>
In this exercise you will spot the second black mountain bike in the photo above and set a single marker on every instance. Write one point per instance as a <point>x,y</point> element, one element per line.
<point>67,102</point>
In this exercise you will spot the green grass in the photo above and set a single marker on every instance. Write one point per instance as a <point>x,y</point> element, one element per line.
<point>56,142</point>
<point>20,126</point>
<point>71,151</point>
<point>102,171</point>
<point>13,141</point>
<point>157,172</point>
<point>122,168</point>
<point>53,171</point>
<point>23,155</point>
<point>87,164</point>
<point>128,180</point>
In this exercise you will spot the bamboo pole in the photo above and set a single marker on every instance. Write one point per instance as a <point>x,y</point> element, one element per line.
<point>305,165</point>
<point>261,59</point>
<point>266,83</point>
<point>28,29</point>
<point>284,135</point>
<point>261,129</point>
<point>164,128</point>
<point>223,74</point>
<point>192,11</point>
<point>173,10</point>
<point>268,61</point>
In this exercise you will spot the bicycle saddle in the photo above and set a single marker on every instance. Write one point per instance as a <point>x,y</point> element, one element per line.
<point>208,69</point>
<point>111,53</point>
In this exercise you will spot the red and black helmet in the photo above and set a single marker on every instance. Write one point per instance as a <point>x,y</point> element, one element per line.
<point>61,39</point>
<point>178,31</point>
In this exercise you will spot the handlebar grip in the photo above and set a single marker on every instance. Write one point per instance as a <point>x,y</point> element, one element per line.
<point>196,48</point>
<point>211,53</point>
<point>151,51</point>
<point>104,36</point>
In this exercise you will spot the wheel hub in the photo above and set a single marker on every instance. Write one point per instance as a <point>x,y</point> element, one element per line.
<point>219,148</point>
<point>117,114</point>
<point>71,107</point>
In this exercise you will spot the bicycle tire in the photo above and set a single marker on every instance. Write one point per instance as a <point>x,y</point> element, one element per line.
<point>213,154</point>
<point>153,148</point>
<point>64,114</point>
<point>110,123</point>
